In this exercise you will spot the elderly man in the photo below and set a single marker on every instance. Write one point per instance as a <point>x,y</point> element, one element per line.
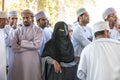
<point>110,17</point>
<point>41,20</point>
<point>3,22</point>
<point>10,29</point>
<point>25,44</point>
<point>100,57</point>
<point>82,34</point>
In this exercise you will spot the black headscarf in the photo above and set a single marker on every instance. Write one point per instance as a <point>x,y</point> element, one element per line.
<point>59,47</point>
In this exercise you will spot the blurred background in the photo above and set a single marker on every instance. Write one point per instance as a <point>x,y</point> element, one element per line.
<point>65,10</point>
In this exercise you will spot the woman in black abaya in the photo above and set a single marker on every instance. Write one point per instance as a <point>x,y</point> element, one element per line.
<point>58,55</point>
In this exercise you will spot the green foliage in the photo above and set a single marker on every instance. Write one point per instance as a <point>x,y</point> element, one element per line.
<point>53,8</point>
<point>50,7</point>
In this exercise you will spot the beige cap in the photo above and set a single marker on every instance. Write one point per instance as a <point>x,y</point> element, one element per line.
<point>27,11</point>
<point>3,14</point>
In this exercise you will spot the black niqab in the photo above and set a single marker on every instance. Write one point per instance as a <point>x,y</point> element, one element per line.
<point>59,47</point>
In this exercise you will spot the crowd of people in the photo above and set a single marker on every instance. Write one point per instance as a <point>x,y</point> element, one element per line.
<point>30,51</point>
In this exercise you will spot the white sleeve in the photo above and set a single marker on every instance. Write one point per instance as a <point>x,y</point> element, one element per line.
<point>82,67</point>
<point>80,38</point>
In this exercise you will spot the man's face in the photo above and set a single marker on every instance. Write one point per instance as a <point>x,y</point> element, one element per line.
<point>112,18</point>
<point>3,22</point>
<point>42,22</point>
<point>85,18</point>
<point>27,19</point>
<point>13,21</point>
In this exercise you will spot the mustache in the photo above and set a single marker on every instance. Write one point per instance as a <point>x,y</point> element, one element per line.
<point>25,22</point>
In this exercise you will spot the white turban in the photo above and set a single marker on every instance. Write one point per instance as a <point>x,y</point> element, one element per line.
<point>3,14</point>
<point>13,13</point>
<point>81,11</point>
<point>40,15</point>
<point>107,12</point>
<point>100,26</point>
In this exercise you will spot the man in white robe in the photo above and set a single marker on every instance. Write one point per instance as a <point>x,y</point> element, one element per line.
<point>82,34</point>
<point>3,22</point>
<point>25,44</point>
<point>41,20</point>
<point>100,57</point>
<point>110,17</point>
<point>10,29</point>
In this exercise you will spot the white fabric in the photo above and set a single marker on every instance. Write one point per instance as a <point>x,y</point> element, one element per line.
<point>99,59</point>
<point>47,32</point>
<point>2,56</point>
<point>25,44</point>
<point>114,33</point>
<point>11,54</point>
<point>7,41</point>
<point>80,38</point>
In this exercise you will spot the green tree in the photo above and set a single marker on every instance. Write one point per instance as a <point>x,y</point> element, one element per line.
<point>51,9</point>
<point>55,9</point>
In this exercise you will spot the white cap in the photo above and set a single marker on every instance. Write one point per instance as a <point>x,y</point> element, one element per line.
<point>13,13</point>
<point>81,11</point>
<point>100,26</point>
<point>40,14</point>
<point>107,12</point>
